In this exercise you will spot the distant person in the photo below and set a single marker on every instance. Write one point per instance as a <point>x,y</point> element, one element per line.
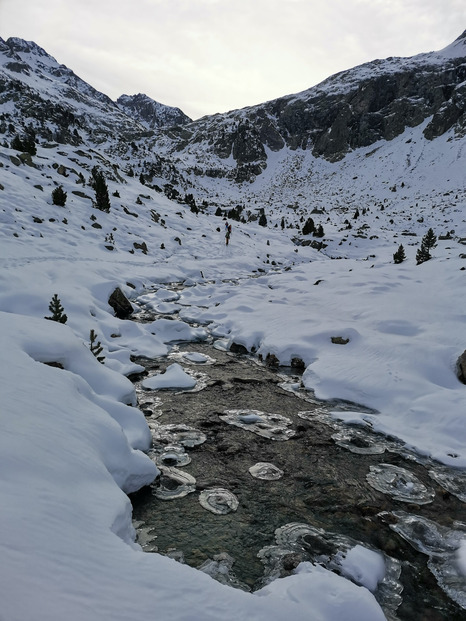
<point>227,232</point>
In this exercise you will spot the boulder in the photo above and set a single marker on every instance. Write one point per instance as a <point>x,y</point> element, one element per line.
<point>339,340</point>
<point>120,304</point>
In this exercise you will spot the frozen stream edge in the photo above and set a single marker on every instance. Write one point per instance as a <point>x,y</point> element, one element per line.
<point>354,439</point>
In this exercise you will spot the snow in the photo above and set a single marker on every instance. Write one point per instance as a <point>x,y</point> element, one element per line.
<point>364,566</point>
<point>461,558</point>
<point>174,377</point>
<point>72,439</point>
<point>326,593</point>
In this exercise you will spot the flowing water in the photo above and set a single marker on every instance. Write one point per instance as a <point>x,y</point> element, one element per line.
<point>257,477</point>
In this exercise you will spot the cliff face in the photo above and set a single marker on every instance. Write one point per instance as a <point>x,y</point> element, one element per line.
<point>355,108</point>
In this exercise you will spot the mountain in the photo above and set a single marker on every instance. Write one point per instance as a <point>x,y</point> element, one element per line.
<point>368,105</point>
<point>151,113</point>
<point>51,100</point>
<point>352,109</point>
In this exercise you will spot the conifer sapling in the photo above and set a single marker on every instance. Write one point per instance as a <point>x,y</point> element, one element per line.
<point>428,242</point>
<point>57,309</point>
<point>59,196</point>
<point>96,346</point>
<point>399,256</point>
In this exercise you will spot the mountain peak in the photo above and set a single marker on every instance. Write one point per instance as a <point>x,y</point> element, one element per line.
<point>150,112</point>
<point>20,45</point>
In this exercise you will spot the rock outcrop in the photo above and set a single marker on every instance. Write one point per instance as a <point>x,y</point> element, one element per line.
<point>120,304</point>
<point>151,113</point>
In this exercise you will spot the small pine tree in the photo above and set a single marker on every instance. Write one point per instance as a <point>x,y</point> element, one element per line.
<point>96,347</point>
<point>319,231</point>
<point>17,143</point>
<point>98,183</point>
<point>429,239</point>
<point>263,220</point>
<point>57,309</point>
<point>428,242</point>
<point>399,256</point>
<point>282,223</point>
<point>59,196</point>
<point>29,144</point>
<point>308,227</point>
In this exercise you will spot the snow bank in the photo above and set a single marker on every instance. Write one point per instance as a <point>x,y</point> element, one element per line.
<point>326,594</point>
<point>403,337</point>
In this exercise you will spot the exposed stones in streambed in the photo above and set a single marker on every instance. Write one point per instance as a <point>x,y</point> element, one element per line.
<point>304,498</point>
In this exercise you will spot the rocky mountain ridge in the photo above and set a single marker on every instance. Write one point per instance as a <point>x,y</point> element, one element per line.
<point>352,109</point>
<point>248,154</point>
<point>151,113</point>
<point>49,99</point>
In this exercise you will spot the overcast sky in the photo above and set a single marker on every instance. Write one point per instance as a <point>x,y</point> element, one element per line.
<point>207,56</point>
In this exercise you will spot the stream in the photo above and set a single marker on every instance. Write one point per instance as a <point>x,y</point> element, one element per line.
<point>257,476</point>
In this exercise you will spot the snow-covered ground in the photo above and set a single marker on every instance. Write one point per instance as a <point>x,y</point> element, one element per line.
<point>71,439</point>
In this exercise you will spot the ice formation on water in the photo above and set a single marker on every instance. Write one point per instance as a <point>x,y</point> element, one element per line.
<point>272,426</point>
<point>192,357</point>
<point>221,344</point>
<point>220,568</point>
<point>297,542</point>
<point>218,500</point>
<point>357,441</point>
<point>174,483</point>
<point>153,299</point>
<point>399,483</point>
<point>145,536</point>
<point>266,471</point>
<point>454,481</point>
<point>363,441</point>
<point>178,434</point>
<point>321,414</point>
<point>171,456</point>
<point>442,545</point>
<point>150,404</point>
